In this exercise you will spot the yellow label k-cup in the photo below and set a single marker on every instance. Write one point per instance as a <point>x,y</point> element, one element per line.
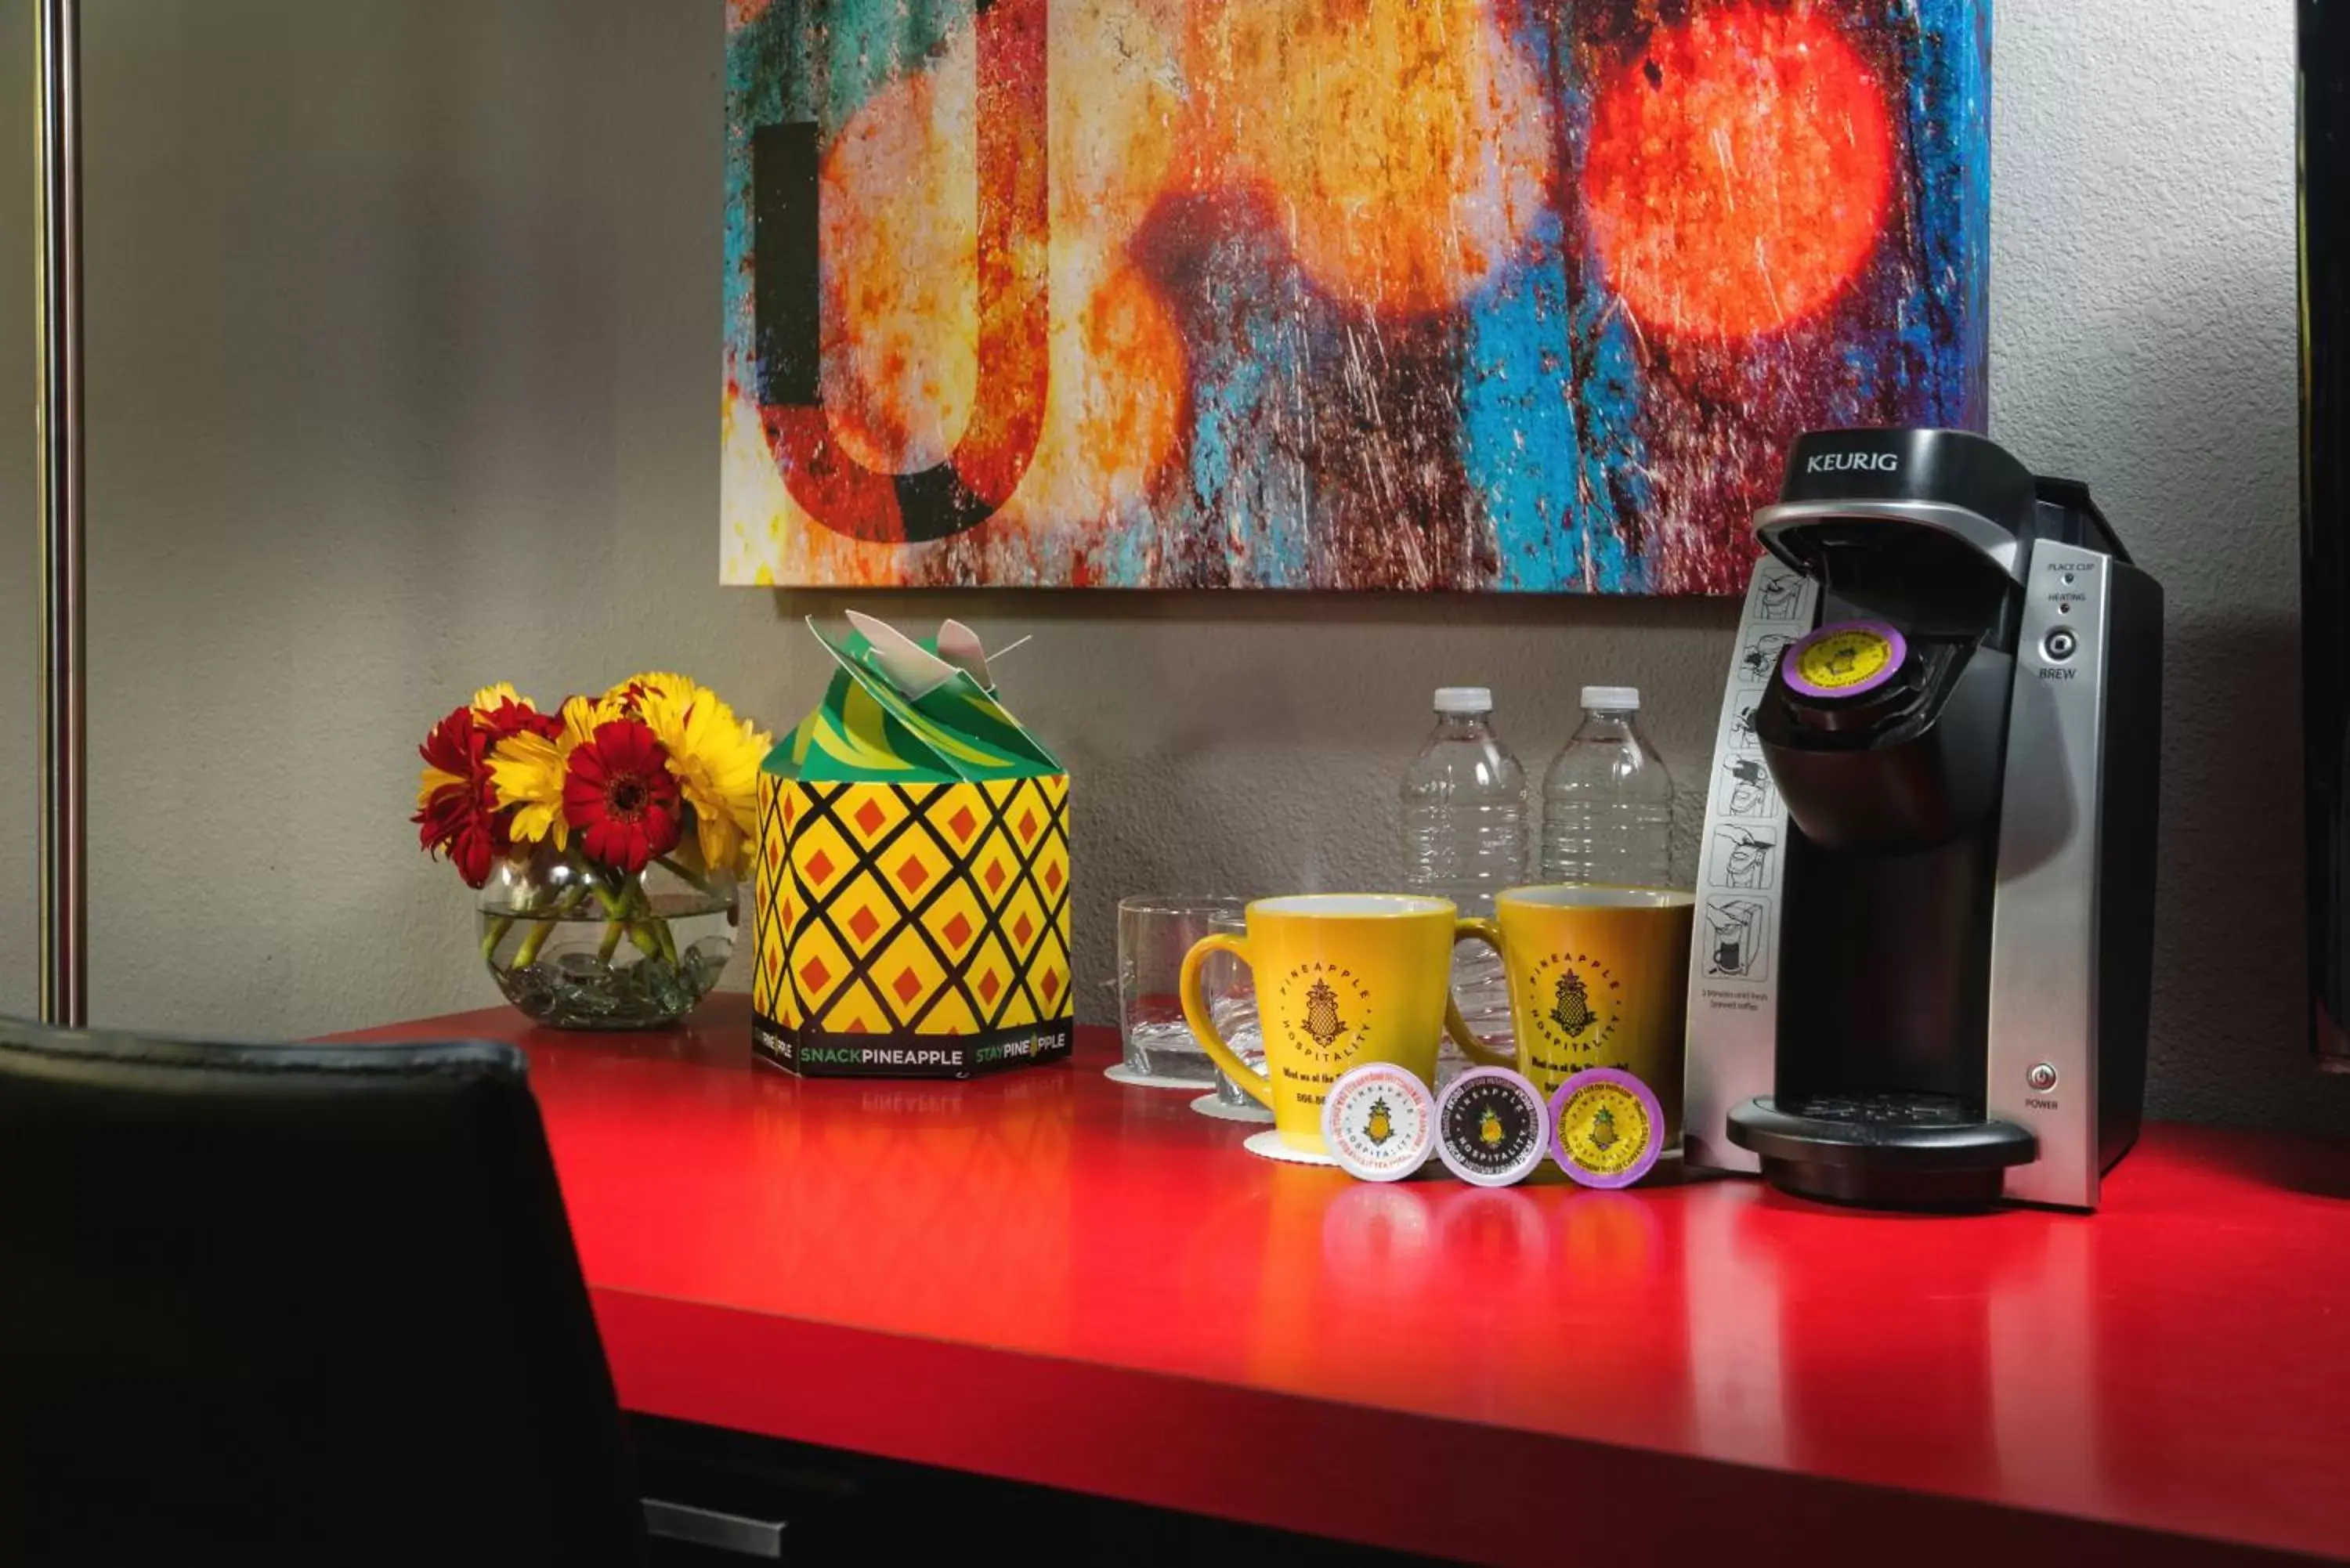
<point>1606,1128</point>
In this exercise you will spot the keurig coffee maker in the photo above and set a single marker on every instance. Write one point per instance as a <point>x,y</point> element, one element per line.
<point>1926,890</point>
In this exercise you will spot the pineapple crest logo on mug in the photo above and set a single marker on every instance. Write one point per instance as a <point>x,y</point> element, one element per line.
<point>1323,1008</point>
<point>1576,1003</point>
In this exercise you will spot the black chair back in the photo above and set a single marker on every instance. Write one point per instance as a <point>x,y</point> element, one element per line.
<point>293,1305</point>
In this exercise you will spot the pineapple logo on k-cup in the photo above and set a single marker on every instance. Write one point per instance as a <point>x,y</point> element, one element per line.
<point>1492,1126</point>
<point>1606,1128</point>
<point>1380,1122</point>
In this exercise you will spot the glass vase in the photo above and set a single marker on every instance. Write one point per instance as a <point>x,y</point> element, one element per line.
<point>580,946</point>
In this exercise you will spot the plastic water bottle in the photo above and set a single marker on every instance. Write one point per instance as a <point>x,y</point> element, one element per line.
<point>1465,837</point>
<point>1608,802</point>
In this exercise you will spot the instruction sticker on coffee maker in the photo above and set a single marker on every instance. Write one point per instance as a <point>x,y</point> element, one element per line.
<point>1742,851</point>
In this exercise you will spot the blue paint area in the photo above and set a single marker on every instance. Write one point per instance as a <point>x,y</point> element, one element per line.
<point>1549,401</point>
<point>1123,555</point>
<point>1518,437</point>
<point>769,78</point>
<point>1615,493</point>
<point>1242,482</point>
<point>1550,393</point>
<point>1248,476</point>
<point>1950,116</point>
<point>1916,350</point>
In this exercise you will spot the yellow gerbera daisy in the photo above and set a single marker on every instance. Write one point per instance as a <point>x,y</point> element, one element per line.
<point>715,758</point>
<point>631,693</point>
<point>490,698</point>
<point>526,772</point>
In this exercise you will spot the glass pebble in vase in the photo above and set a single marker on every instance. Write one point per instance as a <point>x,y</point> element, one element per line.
<point>581,946</point>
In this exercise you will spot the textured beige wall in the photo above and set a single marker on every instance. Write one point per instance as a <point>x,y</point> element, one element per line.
<point>403,363</point>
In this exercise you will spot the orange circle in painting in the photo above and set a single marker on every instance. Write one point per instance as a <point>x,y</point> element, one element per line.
<point>1738,172</point>
<point>1405,142</point>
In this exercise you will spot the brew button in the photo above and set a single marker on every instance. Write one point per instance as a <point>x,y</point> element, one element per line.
<point>2059,644</point>
<point>2042,1078</point>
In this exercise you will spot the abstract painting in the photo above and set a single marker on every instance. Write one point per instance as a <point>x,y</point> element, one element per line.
<point>1519,295</point>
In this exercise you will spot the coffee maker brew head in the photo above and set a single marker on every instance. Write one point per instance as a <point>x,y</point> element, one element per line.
<point>1927,528</point>
<point>1885,729</point>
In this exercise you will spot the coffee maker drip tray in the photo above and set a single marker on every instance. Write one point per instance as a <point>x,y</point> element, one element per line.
<point>1896,1150</point>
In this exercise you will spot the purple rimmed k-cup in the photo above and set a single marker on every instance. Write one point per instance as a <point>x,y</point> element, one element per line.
<point>1887,638</point>
<point>1591,1156</point>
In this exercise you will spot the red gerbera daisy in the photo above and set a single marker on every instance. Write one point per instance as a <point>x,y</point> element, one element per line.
<point>617,793</point>
<point>512,718</point>
<point>456,810</point>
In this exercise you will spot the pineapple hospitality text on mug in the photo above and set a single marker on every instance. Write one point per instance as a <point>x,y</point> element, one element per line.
<point>1341,979</point>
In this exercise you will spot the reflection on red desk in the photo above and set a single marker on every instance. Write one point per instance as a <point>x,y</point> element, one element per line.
<point>1048,1278</point>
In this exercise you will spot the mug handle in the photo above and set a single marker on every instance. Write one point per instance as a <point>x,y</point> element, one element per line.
<point>1473,1045</point>
<point>1195,1012</point>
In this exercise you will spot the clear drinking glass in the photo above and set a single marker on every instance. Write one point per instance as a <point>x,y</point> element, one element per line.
<point>1154,932</point>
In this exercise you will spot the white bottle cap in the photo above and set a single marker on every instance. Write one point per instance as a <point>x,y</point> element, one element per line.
<point>1464,699</point>
<point>1612,697</point>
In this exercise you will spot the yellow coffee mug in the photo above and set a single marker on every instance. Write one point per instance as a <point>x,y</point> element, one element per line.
<point>1342,979</point>
<point>1599,978</point>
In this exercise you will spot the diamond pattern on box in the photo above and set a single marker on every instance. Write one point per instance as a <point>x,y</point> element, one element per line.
<point>863,913</point>
<point>955,918</point>
<point>938,909</point>
<point>994,869</point>
<point>857,1010</point>
<point>875,816</point>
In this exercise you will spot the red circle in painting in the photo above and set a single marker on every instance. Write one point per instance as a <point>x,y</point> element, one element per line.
<point>1738,171</point>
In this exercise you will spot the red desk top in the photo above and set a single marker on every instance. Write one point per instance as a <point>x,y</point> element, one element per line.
<point>1049,1278</point>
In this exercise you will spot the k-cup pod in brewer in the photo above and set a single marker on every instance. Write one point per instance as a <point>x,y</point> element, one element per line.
<point>1380,1122</point>
<point>1492,1127</point>
<point>1606,1128</point>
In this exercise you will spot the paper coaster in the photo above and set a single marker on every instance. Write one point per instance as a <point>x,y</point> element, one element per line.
<point>1120,1073</point>
<point>1209,1104</point>
<point>1606,1128</point>
<point>1267,1145</point>
<point>1380,1122</point>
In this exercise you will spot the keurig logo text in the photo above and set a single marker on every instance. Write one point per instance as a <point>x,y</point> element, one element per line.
<point>1853,463</point>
